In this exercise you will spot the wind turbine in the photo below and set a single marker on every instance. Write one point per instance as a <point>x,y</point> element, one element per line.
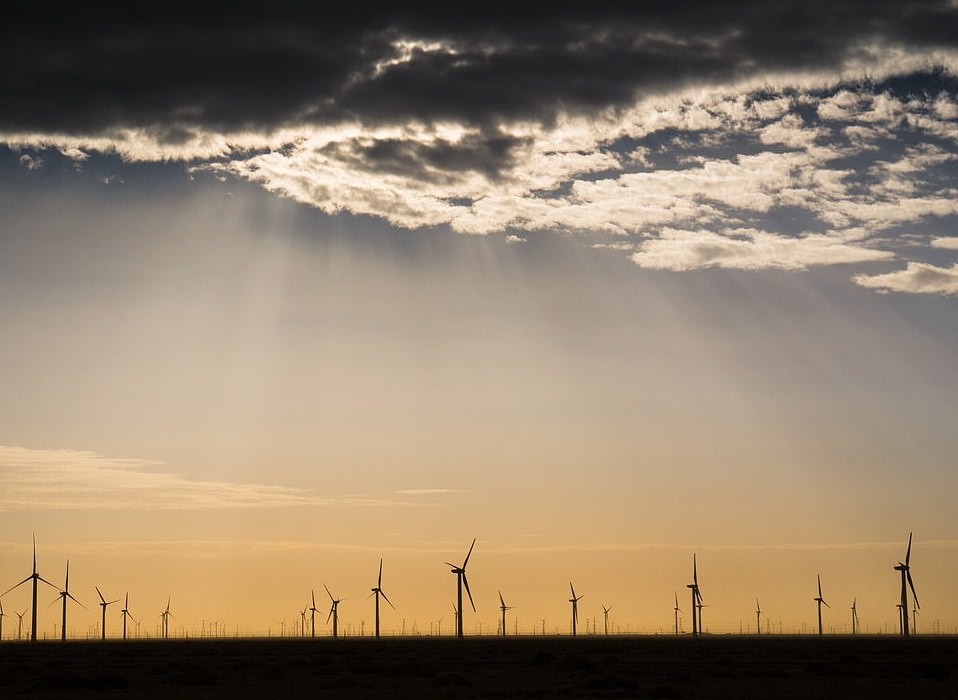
<point>575,607</point>
<point>103,604</point>
<point>2,615</point>
<point>460,572</point>
<point>20,624</point>
<point>312,613</point>
<point>378,591</point>
<point>855,616</point>
<point>333,612</point>
<point>126,613</point>
<point>758,617</point>
<point>905,570</point>
<point>605,614</point>
<point>166,615</point>
<point>64,594</point>
<point>821,602</point>
<point>696,600</point>
<point>302,621</point>
<point>503,607</point>
<point>32,577</point>
<point>675,611</point>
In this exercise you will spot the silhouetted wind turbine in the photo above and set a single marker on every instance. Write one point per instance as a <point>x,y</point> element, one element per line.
<point>312,612</point>
<point>821,602</point>
<point>906,577</point>
<point>2,615</point>
<point>20,624</point>
<point>675,611</point>
<point>126,613</point>
<point>302,621</point>
<point>460,572</point>
<point>605,614</point>
<point>696,600</point>
<point>166,615</point>
<point>64,594</point>
<point>503,607</point>
<point>333,612</point>
<point>378,591</point>
<point>855,616</point>
<point>103,604</point>
<point>575,607</point>
<point>758,617</point>
<point>32,577</point>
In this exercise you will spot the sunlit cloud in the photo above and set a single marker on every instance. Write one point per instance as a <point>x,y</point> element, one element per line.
<point>916,278</point>
<point>32,479</point>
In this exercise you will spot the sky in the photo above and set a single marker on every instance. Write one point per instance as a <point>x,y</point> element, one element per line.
<point>284,292</point>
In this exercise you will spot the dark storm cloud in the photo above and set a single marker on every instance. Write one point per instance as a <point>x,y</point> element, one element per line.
<point>85,68</point>
<point>436,161</point>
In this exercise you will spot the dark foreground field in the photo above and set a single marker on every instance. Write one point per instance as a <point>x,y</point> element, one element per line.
<point>532,667</point>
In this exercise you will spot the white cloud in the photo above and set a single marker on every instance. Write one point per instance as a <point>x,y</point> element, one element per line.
<point>32,479</point>
<point>916,278</point>
<point>512,238</point>
<point>748,250</point>
<point>946,242</point>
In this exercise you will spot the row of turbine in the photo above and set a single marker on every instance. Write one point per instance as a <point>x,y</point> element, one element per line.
<point>462,582</point>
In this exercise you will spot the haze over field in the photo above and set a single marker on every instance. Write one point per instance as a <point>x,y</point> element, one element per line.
<point>283,293</point>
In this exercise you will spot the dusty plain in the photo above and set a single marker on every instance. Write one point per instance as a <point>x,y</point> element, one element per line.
<point>487,667</point>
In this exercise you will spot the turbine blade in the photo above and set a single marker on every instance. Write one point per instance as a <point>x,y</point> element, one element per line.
<point>329,615</point>
<point>501,601</point>
<point>908,553</point>
<point>387,600</point>
<point>17,586</point>
<point>465,582</point>
<point>819,586</point>
<point>695,571</point>
<point>313,593</point>
<point>102,599</point>
<point>40,578</point>
<point>70,596</point>
<point>912,584</point>
<point>66,581</point>
<point>379,581</point>
<point>469,554</point>
<point>328,593</point>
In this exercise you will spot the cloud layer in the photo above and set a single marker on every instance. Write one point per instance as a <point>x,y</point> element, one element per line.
<point>753,136</point>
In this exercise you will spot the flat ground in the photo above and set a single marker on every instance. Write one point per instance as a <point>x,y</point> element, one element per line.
<point>528,667</point>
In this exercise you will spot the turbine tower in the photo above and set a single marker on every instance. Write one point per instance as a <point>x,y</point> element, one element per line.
<point>460,572</point>
<point>696,600</point>
<point>32,577</point>
<point>126,613</point>
<point>103,604</point>
<point>333,612</point>
<point>905,570</point>
<point>821,602</point>
<point>605,615</point>
<point>675,611</point>
<point>378,591</point>
<point>575,607</point>
<point>758,617</point>
<point>2,615</point>
<point>503,607</point>
<point>312,613</point>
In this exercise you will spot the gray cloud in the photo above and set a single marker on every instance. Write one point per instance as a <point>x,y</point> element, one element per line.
<point>173,67</point>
